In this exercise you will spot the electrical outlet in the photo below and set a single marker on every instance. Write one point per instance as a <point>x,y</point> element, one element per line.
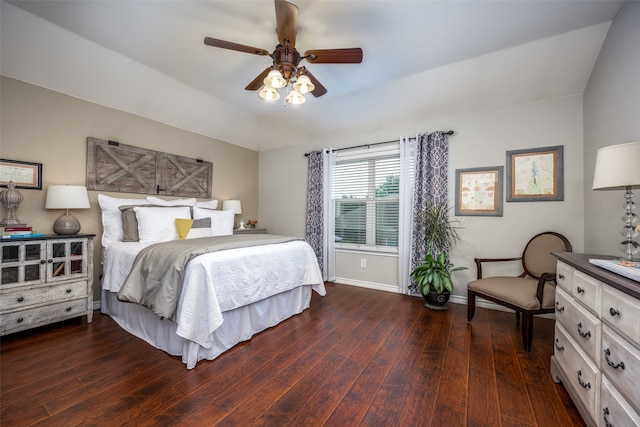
<point>363,263</point>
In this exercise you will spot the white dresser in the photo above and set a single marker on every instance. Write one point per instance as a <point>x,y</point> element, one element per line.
<point>44,280</point>
<point>597,341</point>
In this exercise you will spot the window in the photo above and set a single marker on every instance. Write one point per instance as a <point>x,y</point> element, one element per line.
<point>365,188</point>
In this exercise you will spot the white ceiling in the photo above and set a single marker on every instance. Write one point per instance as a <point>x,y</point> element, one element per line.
<point>421,59</point>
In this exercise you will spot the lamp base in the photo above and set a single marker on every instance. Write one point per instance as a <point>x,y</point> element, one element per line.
<point>66,224</point>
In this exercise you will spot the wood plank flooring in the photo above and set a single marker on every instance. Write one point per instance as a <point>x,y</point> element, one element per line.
<point>356,357</point>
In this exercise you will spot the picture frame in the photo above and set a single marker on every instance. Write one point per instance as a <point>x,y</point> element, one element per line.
<point>479,191</point>
<point>26,175</point>
<point>535,175</point>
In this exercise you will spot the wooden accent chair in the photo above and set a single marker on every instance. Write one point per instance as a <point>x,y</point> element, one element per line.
<point>532,292</point>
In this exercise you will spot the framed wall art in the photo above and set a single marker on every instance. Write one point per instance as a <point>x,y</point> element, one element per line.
<point>23,174</point>
<point>479,191</point>
<point>535,175</point>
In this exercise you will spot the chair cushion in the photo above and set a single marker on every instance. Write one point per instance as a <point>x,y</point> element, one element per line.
<point>517,291</point>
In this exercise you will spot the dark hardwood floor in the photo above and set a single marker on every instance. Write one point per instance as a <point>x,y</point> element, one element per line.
<point>356,357</point>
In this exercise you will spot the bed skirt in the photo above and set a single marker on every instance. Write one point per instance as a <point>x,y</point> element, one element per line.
<point>238,325</point>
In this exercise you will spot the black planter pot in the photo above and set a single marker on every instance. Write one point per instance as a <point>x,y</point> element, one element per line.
<point>436,301</point>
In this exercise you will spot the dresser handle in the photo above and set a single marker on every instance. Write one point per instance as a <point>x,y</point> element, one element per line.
<point>582,383</point>
<point>20,299</point>
<point>559,348</point>
<point>560,276</point>
<point>20,320</point>
<point>42,261</point>
<point>558,308</point>
<point>607,353</point>
<point>580,290</point>
<point>605,412</point>
<point>613,312</point>
<point>49,261</point>
<point>67,309</point>
<point>583,334</point>
<point>68,291</point>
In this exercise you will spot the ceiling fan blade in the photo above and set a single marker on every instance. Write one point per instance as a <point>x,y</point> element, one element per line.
<point>234,46</point>
<point>334,56</point>
<point>319,89</point>
<point>286,23</point>
<point>258,82</point>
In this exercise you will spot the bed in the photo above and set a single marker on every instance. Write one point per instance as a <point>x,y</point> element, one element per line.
<point>226,296</point>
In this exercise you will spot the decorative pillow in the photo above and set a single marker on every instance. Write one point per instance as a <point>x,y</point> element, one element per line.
<point>129,224</point>
<point>112,218</point>
<point>193,228</point>
<point>178,202</point>
<point>157,224</point>
<point>211,204</point>
<point>221,221</point>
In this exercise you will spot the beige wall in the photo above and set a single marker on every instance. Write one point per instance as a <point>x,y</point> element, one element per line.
<point>42,126</point>
<point>480,139</point>
<point>611,116</point>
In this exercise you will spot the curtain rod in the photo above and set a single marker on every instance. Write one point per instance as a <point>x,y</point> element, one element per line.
<point>450,132</point>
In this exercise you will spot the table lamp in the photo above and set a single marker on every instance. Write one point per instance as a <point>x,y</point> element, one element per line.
<point>235,206</point>
<point>618,168</point>
<point>67,197</point>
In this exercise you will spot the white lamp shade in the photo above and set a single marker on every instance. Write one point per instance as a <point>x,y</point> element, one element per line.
<point>269,94</point>
<point>295,98</point>
<point>303,84</point>
<point>233,205</point>
<point>617,166</point>
<point>275,80</point>
<point>67,197</point>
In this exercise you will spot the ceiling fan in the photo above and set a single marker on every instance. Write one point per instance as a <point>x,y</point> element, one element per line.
<point>286,59</point>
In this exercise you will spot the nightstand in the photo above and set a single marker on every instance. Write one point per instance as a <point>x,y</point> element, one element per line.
<point>45,279</point>
<point>251,231</point>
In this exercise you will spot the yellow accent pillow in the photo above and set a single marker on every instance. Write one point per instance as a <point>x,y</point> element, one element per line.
<point>184,226</point>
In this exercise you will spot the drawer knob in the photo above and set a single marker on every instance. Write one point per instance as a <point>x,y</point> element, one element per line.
<point>560,276</point>
<point>582,383</point>
<point>49,261</point>
<point>605,412</point>
<point>607,353</point>
<point>583,334</point>
<point>558,308</point>
<point>20,299</point>
<point>68,291</point>
<point>42,261</point>
<point>580,290</point>
<point>558,347</point>
<point>613,312</point>
<point>20,320</point>
<point>67,309</point>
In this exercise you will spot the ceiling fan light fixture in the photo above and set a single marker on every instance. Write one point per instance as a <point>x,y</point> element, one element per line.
<point>295,98</point>
<point>275,80</point>
<point>303,84</point>
<point>269,94</point>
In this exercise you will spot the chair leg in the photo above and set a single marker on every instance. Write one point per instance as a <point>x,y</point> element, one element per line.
<point>527,330</point>
<point>471,305</point>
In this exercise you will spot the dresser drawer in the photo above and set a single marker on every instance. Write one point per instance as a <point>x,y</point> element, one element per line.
<point>621,363</point>
<point>586,289</point>
<point>31,318</point>
<point>583,375</point>
<point>564,276</point>
<point>614,409</point>
<point>581,324</point>
<point>621,312</point>
<point>36,295</point>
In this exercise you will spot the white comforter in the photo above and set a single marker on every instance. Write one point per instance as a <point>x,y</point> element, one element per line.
<point>224,280</point>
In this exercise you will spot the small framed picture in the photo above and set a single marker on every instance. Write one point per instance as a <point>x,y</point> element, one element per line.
<point>535,175</point>
<point>23,174</point>
<point>479,191</point>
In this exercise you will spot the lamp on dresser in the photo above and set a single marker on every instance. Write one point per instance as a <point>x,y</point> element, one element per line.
<point>67,197</point>
<point>618,168</point>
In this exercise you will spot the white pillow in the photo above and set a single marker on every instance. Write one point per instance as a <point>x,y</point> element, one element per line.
<point>178,202</point>
<point>158,224</point>
<point>210,204</point>
<point>112,217</point>
<point>221,221</point>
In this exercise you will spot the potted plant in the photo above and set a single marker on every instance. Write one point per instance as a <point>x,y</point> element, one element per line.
<point>433,275</point>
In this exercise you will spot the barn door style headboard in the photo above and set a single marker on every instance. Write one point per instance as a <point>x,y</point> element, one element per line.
<point>112,166</point>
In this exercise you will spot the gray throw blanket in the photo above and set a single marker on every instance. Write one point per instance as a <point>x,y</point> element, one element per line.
<point>155,280</point>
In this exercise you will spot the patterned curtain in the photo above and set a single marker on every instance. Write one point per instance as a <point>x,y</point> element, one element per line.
<point>320,232</point>
<point>431,175</point>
